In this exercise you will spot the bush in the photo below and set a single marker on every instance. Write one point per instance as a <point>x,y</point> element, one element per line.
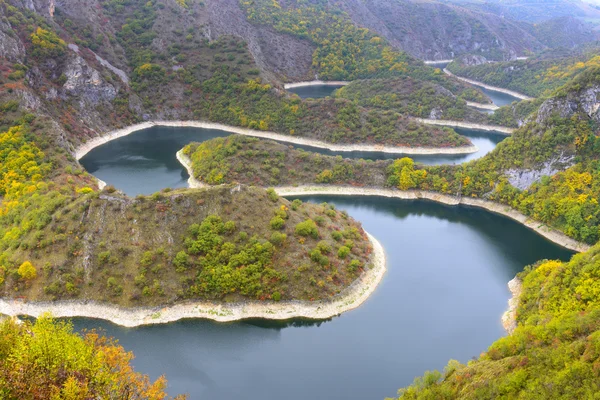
<point>343,252</point>
<point>27,271</point>
<point>307,228</point>
<point>181,261</point>
<point>276,296</point>
<point>277,223</point>
<point>104,257</point>
<point>354,265</point>
<point>273,196</point>
<point>324,247</point>
<point>296,204</point>
<point>278,238</point>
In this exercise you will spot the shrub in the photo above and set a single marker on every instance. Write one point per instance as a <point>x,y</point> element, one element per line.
<point>273,196</point>
<point>354,265</point>
<point>336,235</point>
<point>277,223</point>
<point>181,261</point>
<point>324,247</point>
<point>307,228</point>
<point>343,252</point>
<point>104,257</point>
<point>276,296</point>
<point>296,204</point>
<point>278,238</point>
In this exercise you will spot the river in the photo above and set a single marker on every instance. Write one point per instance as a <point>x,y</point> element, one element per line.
<point>144,162</point>
<point>314,91</point>
<point>441,299</point>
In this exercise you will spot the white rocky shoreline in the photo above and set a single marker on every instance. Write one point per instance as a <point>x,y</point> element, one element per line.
<point>315,83</point>
<point>302,190</point>
<point>100,140</point>
<point>549,233</point>
<point>350,298</point>
<point>489,87</point>
<point>467,125</point>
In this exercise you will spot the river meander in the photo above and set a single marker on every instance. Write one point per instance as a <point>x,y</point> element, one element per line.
<point>442,297</point>
<point>144,162</point>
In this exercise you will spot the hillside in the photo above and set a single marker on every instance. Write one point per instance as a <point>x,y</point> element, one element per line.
<point>52,69</point>
<point>46,359</point>
<point>548,168</point>
<point>537,76</point>
<point>536,11</point>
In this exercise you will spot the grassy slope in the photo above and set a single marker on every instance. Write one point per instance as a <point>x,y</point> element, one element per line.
<point>267,163</point>
<point>111,248</point>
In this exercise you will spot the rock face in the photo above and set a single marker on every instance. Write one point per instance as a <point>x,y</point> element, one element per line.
<point>523,179</point>
<point>438,31</point>
<point>586,101</point>
<point>284,55</point>
<point>471,60</point>
<point>11,48</point>
<point>85,82</point>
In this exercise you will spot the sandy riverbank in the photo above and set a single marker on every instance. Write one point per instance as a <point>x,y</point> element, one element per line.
<point>549,233</point>
<point>100,140</point>
<point>509,318</point>
<point>494,88</point>
<point>315,83</point>
<point>349,299</point>
<point>466,125</point>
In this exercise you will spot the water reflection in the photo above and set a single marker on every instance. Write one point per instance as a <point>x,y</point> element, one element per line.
<point>441,298</point>
<point>315,92</point>
<point>145,161</point>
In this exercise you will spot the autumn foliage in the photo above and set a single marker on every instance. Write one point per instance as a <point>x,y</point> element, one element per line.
<point>47,360</point>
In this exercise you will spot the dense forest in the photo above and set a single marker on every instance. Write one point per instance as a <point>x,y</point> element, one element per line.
<point>536,77</point>
<point>45,359</point>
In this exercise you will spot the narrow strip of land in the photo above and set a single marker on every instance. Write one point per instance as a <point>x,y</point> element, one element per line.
<point>315,83</point>
<point>349,299</point>
<point>102,139</point>
<point>467,125</point>
<point>483,85</point>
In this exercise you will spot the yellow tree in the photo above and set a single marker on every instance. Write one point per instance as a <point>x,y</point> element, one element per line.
<point>27,271</point>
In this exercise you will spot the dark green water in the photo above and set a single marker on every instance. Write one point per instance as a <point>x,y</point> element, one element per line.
<point>145,161</point>
<point>441,299</point>
<point>315,91</point>
<point>498,98</point>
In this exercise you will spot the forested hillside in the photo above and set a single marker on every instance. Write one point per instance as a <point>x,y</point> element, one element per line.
<point>537,76</point>
<point>45,359</point>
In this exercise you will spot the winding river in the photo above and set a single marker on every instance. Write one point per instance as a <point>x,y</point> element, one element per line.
<point>144,162</point>
<point>441,299</point>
